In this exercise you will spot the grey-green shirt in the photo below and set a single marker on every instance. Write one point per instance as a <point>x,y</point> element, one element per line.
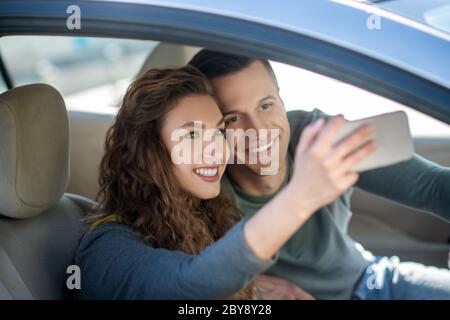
<point>321,257</point>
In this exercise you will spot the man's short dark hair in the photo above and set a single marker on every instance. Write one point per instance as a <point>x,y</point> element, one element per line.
<point>215,64</point>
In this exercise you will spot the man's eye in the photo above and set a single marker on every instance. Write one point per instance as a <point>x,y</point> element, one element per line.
<point>233,119</point>
<point>192,135</point>
<point>266,106</point>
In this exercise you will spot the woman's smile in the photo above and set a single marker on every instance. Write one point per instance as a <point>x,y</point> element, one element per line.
<point>208,174</point>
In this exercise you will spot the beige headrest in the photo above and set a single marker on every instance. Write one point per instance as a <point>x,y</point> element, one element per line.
<point>168,55</point>
<point>34,150</point>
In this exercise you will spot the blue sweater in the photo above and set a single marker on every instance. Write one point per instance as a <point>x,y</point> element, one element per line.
<point>116,265</point>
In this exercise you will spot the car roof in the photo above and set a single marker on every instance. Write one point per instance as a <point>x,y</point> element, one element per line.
<point>435,13</point>
<point>400,40</point>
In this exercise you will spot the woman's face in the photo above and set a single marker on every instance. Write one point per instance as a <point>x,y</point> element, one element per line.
<point>193,133</point>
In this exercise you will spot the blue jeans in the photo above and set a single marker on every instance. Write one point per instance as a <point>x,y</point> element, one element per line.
<point>388,278</point>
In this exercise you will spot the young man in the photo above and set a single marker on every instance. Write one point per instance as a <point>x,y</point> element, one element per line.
<point>321,258</point>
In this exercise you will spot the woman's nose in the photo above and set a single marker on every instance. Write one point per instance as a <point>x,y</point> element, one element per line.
<point>215,152</point>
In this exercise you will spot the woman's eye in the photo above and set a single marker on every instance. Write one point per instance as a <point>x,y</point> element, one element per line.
<point>191,135</point>
<point>219,132</point>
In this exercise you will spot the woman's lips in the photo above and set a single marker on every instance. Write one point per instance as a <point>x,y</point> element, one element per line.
<point>208,174</point>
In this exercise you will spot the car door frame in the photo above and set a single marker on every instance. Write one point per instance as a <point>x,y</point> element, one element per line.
<point>227,33</point>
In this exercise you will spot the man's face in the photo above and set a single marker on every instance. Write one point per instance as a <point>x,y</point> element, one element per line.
<point>249,99</point>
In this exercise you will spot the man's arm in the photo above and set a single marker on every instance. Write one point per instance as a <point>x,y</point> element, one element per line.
<point>417,183</point>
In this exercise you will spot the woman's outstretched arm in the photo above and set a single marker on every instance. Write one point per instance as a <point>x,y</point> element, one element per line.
<point>115,264</point>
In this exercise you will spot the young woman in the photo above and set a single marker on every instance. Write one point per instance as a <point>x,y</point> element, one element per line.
<point>164,230</point>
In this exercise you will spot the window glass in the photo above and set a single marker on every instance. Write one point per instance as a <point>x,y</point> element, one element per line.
<point>91,73</point>
<point>301,89</point>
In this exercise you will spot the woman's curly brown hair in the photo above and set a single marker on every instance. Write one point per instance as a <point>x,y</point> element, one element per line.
<point>136,178</point>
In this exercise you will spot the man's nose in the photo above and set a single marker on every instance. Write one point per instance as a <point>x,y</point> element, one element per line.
<point>262,131</point>
<point>255,123</point>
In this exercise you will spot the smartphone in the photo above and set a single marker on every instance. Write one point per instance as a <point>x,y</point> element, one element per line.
<point>393,137</point>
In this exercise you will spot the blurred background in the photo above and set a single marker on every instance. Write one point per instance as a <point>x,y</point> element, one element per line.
<point>93,74</point>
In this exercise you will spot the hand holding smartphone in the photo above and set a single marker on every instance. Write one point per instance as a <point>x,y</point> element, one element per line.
<point>393,137</point>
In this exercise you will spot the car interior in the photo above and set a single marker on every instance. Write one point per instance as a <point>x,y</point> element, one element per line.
<point>42,208</point>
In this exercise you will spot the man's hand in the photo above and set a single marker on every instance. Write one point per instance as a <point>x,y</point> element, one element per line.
<point>274,288</point>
